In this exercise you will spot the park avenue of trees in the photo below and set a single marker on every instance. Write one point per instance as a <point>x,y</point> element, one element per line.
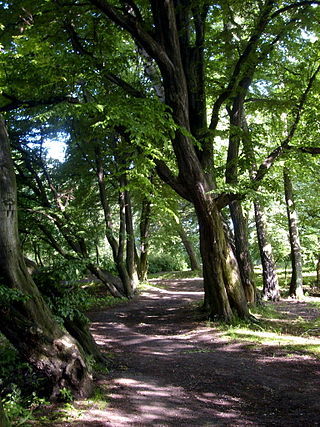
<point>192,135</point>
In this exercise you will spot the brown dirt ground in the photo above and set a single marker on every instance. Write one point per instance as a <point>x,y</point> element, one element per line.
<point>170,369</point>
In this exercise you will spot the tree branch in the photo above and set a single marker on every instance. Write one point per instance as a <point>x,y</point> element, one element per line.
<point>310,150</point>
<point>169,178</point>
<point>243,62</point>
<point>269,161</point>
<point>15,103</point>
<point>135,27</point>
<point>294,5</point>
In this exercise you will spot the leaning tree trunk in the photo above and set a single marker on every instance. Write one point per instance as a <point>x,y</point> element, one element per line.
<point>193,259</point>
<point>296,284</point>
<point>271,289</point>
<point>25,318</point>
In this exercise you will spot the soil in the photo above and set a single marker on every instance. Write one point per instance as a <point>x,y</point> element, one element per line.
<point>171,368</point>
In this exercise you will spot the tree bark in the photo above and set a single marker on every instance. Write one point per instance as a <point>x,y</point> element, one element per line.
<point>126,267</point>
<point>296,284</point>
<point>318,271</point>
<point>145,219</point>
<point>193,259</point>
<point>271,289</point>
<point>242,250</point>
<point>26,321</point>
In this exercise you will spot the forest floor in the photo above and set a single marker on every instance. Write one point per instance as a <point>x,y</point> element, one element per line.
<point>170,367</point>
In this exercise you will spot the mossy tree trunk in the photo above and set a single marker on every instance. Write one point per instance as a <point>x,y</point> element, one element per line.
<point>25,318</point>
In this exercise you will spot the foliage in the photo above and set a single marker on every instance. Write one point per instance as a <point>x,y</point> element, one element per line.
<point>166,262</point>
<point>274,329</point>
<point>8,295</point>
<point>23,390</point>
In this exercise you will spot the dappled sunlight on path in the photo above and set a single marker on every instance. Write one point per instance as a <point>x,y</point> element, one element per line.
<point>171,370</point>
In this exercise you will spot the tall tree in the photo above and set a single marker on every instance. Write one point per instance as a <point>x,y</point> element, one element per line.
<point>177,38</point>
<point>26,320</point>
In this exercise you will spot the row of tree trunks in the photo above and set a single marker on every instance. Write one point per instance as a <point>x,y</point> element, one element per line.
<point>271,289</point>
<point>25,318</point>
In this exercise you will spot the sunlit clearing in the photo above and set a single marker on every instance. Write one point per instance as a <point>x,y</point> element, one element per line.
<point>311,345</point>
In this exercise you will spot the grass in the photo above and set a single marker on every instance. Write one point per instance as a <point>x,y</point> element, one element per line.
<point>275,329</point>
<point>187,274</point>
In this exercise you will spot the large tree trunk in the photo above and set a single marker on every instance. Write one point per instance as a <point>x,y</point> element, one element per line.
<point>271,289</point>
<point>224,292</point>
<point>25,319</point>
<point>296,284</point>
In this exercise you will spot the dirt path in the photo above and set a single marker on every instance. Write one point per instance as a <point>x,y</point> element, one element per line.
<point>171,370</point>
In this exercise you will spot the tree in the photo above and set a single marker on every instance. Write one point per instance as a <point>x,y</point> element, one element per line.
<point>176,37</point>
<point>296,284</point>
<point>26,320</point>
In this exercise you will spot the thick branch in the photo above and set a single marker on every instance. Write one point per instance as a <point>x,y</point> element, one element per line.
<point>309,150</point>
<point>135,26</point>
<point>15,103</point>
<point>169,178</point>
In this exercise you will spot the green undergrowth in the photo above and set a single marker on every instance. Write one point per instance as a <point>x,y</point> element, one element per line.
<point>187,274</point>
<point>22,390</point>
<point>97,298</point>
<point>273,328</point>
<point>69,412</point>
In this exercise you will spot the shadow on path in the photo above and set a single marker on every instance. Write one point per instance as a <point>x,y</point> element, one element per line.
<point>171,370</point>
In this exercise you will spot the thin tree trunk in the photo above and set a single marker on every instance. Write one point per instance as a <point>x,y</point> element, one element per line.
<point>296,284</point>
<point>118,247</point>
<point>193,259</point>
<point>131,246</point>
<point>239,225</point>
<point>26,320</point>
<point>145,220</point>
<point>271,289</point>
<point>242,250</point>
<point>318,271</point>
